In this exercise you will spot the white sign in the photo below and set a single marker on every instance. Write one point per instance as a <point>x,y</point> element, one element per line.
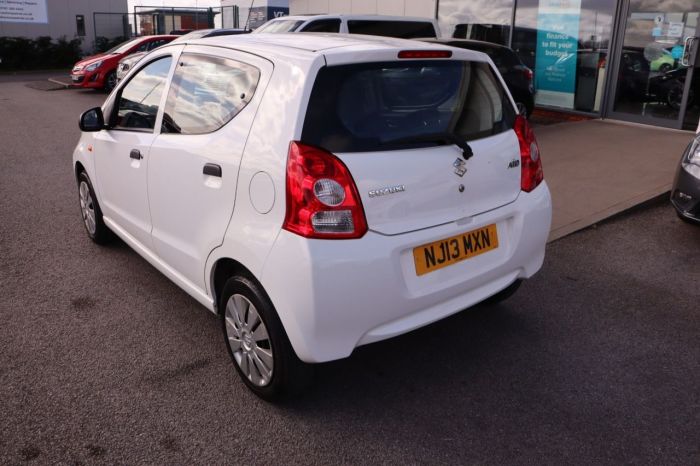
<point>23,11</point>
<point>675,29</point>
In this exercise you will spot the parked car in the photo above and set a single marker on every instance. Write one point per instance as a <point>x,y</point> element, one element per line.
<point>319,193</point>
<point>100,71</point>
<point>128,62</point>
<point>517,76</point>
<point>685,193</point>
<point>404,27</point>
<point>669,87</point>
<point>664,63</point>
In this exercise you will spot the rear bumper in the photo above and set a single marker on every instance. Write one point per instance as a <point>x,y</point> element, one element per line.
<point>333,296</point>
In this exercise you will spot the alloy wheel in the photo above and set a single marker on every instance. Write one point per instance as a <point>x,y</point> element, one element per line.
<point>249,340</point>
<point>87,208</point>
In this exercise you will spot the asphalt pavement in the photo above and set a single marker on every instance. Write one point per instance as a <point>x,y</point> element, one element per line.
<point>596,360</point>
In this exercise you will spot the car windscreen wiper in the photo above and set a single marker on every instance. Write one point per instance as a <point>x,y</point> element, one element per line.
<point>435,137</point>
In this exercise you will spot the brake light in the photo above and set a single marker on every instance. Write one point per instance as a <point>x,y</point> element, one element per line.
<point>531,174</point>
<point>322,199</point>
<point>425,54</point>
<point>528,73</point>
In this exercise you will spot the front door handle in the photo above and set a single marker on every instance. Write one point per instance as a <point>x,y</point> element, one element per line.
<point>212,169</point>
<point>135,154</point>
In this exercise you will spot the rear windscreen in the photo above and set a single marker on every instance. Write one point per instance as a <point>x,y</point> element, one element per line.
<point>384,106</point>
<point>400,29</point>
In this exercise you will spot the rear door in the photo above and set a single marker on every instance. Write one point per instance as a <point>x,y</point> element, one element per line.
<point>387,122</point>
<point>193,167</point>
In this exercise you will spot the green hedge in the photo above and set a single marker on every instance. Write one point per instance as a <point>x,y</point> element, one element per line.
<point>102,44</point>
<point>20,53</point>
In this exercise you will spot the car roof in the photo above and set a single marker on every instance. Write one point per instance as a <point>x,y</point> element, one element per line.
<point>356,17</point>
<point>311,42</point>
<point>158,36</point>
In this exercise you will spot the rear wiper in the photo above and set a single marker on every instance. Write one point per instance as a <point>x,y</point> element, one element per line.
<point>436,137</point>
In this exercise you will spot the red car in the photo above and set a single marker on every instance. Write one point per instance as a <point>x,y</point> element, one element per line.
<point>100,71</point>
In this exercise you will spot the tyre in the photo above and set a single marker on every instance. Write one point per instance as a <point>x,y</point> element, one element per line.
<point>91,212</point>
<point>257,343</point>
<point>110,81</point>
<point>503,294</point>
<point>687,220</point>
<point>665,68</point>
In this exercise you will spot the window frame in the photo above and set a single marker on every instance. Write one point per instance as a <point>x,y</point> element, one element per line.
<point>486,70</point>
<point>209,56</point>
<point>114,110</point>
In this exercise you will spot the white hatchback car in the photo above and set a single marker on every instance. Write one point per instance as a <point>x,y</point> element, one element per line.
<point>318,192</point>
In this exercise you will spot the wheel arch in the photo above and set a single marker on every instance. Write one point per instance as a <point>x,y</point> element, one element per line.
<point>222,270</point>
<point>79,168</point>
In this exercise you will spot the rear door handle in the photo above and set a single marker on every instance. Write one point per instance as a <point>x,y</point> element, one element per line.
<point>135,154</point>
<point>212,169</point>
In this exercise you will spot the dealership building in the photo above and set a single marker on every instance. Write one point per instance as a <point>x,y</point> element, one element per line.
<point>632,60</point>
<point>60,18</point>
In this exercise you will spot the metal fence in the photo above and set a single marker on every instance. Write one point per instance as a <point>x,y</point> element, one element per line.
<point>145,20</point>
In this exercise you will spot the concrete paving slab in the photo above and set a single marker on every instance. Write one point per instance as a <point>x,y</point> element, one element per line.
<point>598,168</point>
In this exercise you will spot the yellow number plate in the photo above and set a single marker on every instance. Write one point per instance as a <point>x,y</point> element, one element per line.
<point>434,256</point>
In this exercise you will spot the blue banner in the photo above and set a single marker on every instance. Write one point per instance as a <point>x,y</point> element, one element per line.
<point>557,46</point>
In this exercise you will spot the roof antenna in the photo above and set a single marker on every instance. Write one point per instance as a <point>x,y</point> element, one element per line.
<point>247,20</point>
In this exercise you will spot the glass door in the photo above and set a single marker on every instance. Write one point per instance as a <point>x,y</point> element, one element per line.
<point>655,64</point>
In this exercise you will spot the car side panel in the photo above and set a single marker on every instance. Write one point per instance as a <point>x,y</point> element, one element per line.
<point>251,233</point>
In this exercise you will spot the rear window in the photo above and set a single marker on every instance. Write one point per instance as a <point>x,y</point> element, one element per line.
<point>401,29</point>
<point>323,25</point>
<point>385,106</point>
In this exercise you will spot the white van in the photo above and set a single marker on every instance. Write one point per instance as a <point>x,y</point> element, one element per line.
<point>403,27</point>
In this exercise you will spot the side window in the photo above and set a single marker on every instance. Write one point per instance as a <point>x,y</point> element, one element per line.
<point>323,25</point>
<point>137,104</point>
<point>400,29</point>
<point>143,47</point>
<point>206,93</point>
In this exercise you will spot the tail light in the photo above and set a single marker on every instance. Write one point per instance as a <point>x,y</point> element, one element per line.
<point>528,73</point>
<point>322,199</point>
<point>531,174</point>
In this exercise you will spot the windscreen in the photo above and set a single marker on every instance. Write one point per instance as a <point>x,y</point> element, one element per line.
<point>289,25</point>
<point>385,106</point>
<point>124,46</point>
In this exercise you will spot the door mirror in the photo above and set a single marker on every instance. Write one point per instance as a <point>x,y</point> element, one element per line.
<point>92,120</point>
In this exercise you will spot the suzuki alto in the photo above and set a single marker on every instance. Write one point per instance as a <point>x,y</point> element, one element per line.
<point>317,192</point>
